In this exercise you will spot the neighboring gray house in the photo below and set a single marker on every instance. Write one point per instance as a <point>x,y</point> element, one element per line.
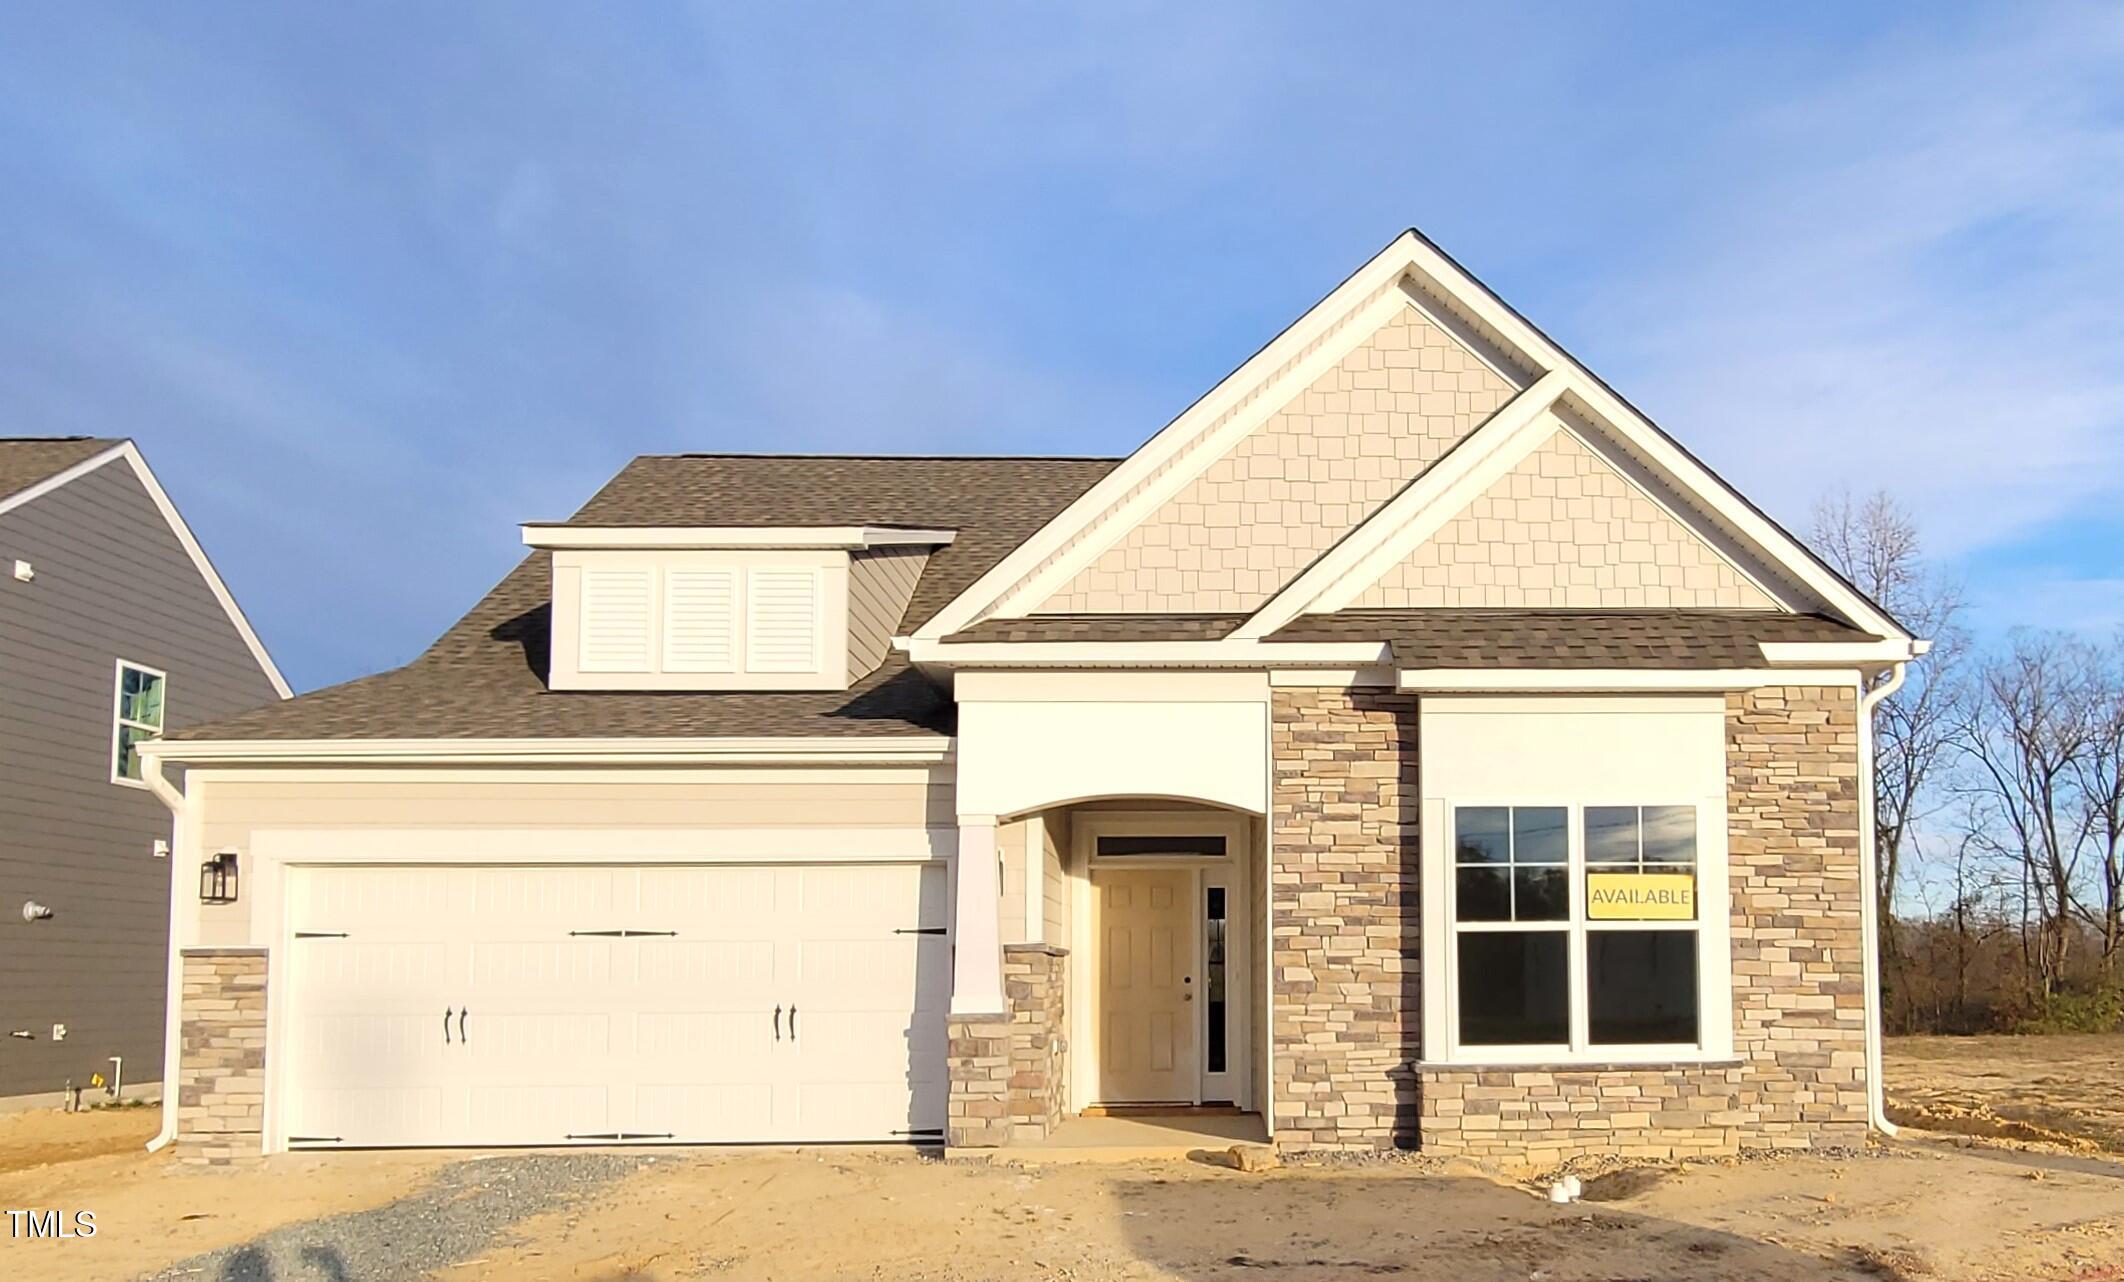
<point>113,627</point>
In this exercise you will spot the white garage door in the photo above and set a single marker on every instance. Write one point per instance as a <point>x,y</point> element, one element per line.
<point>590,1004</point>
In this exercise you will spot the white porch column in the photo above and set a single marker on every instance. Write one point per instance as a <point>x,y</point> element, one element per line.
<point>977,936</point>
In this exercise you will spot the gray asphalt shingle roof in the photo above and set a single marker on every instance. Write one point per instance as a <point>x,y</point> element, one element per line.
<point>485,677</point>
<point>26,460</point>
<point>1474,638</point>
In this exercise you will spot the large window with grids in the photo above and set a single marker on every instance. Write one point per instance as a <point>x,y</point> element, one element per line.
<point>1576,931</point>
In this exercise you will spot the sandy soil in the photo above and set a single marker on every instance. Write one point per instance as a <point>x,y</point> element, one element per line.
<point>150,1210</point>
<point>1918,1212</point>
<point>1945,1207</point>
<point>2064,1090</point>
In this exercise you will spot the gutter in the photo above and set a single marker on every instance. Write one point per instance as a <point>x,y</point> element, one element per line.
<point>173,995</point>
<point>1869,909</point>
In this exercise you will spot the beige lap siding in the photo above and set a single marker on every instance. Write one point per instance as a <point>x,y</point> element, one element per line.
<point>1344,927</point>
<point>1343,918</point>
<point>221,1071</point>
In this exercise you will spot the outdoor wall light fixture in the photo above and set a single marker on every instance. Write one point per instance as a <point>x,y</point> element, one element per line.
<point>217,879</point>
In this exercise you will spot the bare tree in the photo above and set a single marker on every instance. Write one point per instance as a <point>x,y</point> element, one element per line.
<point>2099,776</point>
<point>1875,543</point>
<point>2025,731</point>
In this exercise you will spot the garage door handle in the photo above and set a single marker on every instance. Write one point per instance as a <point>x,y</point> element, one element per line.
<point>463,1040</point>
<point>778,1023</point>
<point>446,1025</point>
<point>792,1021</point>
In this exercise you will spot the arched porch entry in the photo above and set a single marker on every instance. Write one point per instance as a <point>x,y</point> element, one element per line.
<point>1116,828</point>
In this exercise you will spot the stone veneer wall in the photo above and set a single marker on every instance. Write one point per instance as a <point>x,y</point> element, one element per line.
<point>1010,1073</point>
<point>221,1066</point>
<point>1792,773</point>
<point>1343,878</point>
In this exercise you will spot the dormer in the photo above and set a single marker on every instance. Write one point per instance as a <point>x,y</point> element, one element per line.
<point>726,607</point>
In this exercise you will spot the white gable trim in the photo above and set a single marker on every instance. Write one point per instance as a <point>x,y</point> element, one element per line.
<point>1019,576</point>
<point>1368,294</point>
<point>130,454</point>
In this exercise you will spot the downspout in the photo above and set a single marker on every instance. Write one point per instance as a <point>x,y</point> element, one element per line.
<point>172,797</point>
<point>1869,906</point>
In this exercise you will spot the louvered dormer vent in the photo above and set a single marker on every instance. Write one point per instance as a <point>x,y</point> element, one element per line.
<point>725,609</point>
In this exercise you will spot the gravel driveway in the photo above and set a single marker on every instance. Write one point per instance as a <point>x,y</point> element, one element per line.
<point>469,1206</point>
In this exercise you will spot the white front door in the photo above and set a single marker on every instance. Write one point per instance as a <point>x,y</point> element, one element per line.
<point>537,1005</point>
<point>1145,1015</point>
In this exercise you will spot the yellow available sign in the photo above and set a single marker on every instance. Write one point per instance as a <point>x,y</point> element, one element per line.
<point>1640,896</point>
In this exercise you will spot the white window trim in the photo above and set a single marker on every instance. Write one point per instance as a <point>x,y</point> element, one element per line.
<point>118,721</point>
<point>1714,981</point>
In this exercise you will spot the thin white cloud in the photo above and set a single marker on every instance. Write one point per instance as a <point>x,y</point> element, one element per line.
<point>1914,286</point>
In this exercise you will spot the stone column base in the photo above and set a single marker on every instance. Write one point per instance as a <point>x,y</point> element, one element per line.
<point>222,1053</point>
<point>1009,1071</point>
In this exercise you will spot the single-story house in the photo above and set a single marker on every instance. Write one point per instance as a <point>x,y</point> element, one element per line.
<point>1410,744</point>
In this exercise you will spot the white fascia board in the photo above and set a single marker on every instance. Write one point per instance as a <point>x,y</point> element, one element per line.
<point>1600,680</point>
<point>1817,653</point>
<point>1146,654</point>
<point>130,453</point>
<point>1446,488</point>
<point>846,538</point>
<point>818,749</point>
<point>1233,390</point>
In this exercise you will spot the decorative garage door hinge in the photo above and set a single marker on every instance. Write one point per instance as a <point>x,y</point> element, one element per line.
<point>320,934</point>
<point>620,934</point>
<point>919,930</point>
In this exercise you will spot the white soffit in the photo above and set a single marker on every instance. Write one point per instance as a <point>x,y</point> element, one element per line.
<point>848,538</point>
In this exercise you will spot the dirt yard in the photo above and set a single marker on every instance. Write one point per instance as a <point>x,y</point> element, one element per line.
<point>1928,1206</point>
<point>2065,1090</point>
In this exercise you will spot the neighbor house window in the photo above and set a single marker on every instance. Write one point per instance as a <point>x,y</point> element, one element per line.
<point>1575,928</point>
<point>138,718</point>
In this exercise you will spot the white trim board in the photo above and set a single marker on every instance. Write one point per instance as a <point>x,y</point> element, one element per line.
<point>445,845</point>
<point>846,538</point>
<point>882,748</point>
<point>130,453</point>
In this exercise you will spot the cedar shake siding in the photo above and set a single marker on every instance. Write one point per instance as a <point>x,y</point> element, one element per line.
<point>112,581</point>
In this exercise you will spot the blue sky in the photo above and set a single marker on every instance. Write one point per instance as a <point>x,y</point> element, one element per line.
<point>373,283</point>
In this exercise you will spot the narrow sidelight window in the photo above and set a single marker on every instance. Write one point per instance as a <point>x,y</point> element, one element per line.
<point>1213,936</point>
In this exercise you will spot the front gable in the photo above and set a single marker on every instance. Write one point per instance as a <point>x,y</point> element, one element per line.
<point>1411,442</point>
<point>1564,529</point>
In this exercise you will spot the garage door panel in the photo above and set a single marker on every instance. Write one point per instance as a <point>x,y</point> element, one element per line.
<point>516,1114</point>
<point>366,1115</point>
<point>730,1112</point>
<point>547,964</point>
<point>718,970</point>
<point>637,1034</point>
<point>734,897</point>
<point>356,1051</point>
